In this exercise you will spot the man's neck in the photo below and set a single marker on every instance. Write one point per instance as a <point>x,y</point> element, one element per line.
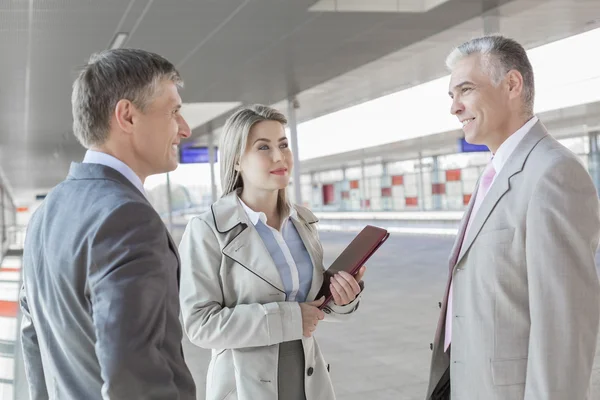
<point>121,156</point>
<point>507,131</point>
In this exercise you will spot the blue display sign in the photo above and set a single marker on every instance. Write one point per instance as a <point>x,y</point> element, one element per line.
<point>195,155</point>
<point>466,147</point>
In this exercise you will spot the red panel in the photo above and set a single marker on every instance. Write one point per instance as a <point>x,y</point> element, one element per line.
<point>345,195</point>
<point>438,188</point>
<point>328,194</point>
<point>353,184</point>
<point>386,192</point>
<point>366,203</point>
<point>466,199</point>
<point>397,180</point>
<point>411,201</point>
<point>453,175</point>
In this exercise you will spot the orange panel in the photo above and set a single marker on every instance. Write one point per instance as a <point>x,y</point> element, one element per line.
<point>466,199</point>
<point>8,309</point>
<point>353,184</point>
<point>411,201</point>
<point>453,175</point>
<point>397,180</point>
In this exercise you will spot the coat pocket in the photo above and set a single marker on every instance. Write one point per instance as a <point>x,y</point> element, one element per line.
<point>222,383</point>
<point>509,372</point>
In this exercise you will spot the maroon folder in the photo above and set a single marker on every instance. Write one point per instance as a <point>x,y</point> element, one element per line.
<point>353,257</point>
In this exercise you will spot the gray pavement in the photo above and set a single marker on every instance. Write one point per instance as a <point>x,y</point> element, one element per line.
<point>383,353</point>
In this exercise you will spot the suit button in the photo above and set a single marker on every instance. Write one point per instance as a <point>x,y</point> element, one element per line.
<point>310,371</point>
<point>327,367</point>
<point>439,304</point>
<point>430,346</point>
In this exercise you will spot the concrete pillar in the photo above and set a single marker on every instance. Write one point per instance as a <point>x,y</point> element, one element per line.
<point>491,18</point>
<point>363,186</point>
<point>421,191</point>
<point>436,198</point>
<point>594,158</point>
<point>169,203</point>
<point>212,156</point>
<point>292,106</point>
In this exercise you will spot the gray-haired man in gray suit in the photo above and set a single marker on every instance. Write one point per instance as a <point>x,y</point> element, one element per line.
<point>521,308</point>
<point>101,274</point>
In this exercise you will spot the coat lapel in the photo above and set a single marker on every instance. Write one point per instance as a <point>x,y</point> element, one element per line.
<point>514,165</point>
<point>246,248</point>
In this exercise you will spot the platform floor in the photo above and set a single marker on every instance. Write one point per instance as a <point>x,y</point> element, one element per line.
<point>383,354</point>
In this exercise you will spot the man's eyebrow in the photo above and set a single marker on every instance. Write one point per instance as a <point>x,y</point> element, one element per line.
<point>458,86</point>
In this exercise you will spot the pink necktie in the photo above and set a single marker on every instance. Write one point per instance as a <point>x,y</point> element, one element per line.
<point>486,181</point>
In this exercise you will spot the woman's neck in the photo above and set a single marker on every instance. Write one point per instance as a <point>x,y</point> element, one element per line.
<point>265,202</point>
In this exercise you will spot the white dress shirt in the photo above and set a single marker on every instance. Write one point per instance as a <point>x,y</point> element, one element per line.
<point>97,157</point>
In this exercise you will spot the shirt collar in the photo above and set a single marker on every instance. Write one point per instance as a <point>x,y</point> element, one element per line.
<point>255,216</point>
<point>508,147</point>
<point>97,157</point>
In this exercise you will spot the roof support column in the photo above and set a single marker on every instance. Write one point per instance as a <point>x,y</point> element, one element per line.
<point>491,19</point>
<point>292,106</point>
<point>169,203</point>
<point>212,152</point>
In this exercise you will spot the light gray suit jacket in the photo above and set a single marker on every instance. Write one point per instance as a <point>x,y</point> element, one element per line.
<point>100,298</point>
<point>526,298</point>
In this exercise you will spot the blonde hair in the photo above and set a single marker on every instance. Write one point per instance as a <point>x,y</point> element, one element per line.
<point>233,144</point>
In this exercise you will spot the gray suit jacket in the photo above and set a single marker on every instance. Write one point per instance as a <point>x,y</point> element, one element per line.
<point>100,298</point>
<point>526,298</point>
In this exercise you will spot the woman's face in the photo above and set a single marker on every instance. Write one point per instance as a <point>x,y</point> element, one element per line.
<point>267,160</point>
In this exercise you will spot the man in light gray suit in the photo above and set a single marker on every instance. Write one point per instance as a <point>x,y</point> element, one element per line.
<point>520,313</point>
<point>100,297</point>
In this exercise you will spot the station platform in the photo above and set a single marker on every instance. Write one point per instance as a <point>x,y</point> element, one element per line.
<point>12,377</point>
<point>383,353</point>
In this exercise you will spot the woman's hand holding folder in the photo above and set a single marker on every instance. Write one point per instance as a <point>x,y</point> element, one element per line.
<point>344,287</point>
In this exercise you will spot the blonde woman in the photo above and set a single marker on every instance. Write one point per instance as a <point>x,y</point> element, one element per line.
<point>251,268</point>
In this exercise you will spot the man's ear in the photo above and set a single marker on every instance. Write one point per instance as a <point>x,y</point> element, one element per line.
<point>514,80</point>
<point>124,113</point>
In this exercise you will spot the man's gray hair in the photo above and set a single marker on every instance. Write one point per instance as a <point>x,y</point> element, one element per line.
<point>111,76</point>
<point>499,56</point>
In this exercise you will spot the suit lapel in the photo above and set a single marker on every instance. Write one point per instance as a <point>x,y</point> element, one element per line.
<point>460,237</point>
<point>99,171</point>
<point>514,165</point>
<point>174,250</point>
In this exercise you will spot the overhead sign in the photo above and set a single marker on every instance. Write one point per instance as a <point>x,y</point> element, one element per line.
<point>196,155</point>
<point>466,147</point>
